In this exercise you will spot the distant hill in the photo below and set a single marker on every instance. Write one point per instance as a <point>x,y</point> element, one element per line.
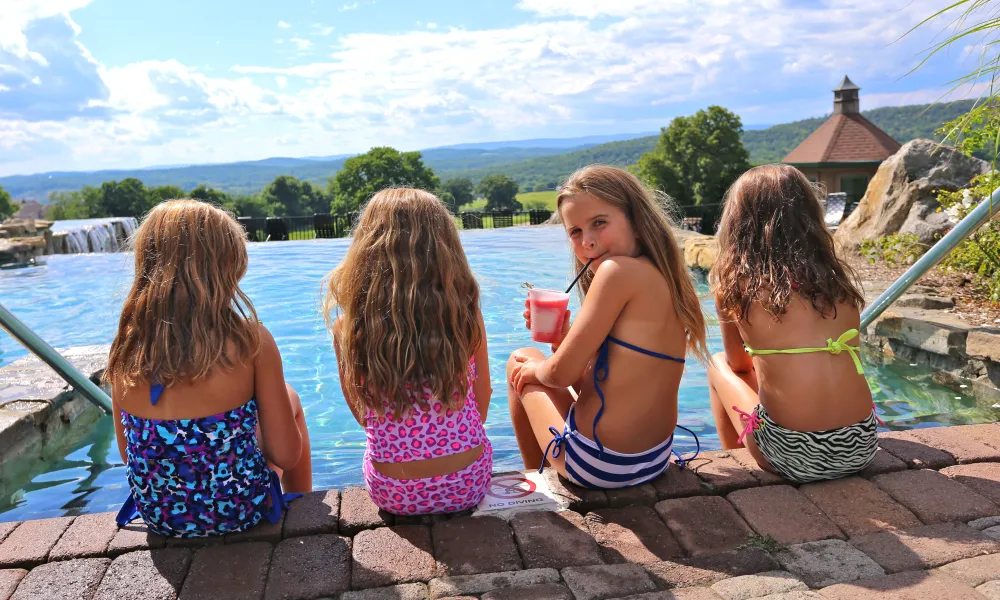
<point>538,164</point>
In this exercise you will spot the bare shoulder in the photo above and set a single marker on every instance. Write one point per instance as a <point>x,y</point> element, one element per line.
<point>618,269</point>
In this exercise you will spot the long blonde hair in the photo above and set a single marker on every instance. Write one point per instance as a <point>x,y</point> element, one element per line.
<point>773,243</point>
<point>647,214</point>
<point>409,305</point>
<point>185,314</point>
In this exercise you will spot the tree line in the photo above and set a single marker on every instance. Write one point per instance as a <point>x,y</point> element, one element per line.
<point>287,196</point>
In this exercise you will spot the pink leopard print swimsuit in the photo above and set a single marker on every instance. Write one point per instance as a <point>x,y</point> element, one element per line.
<point>420,435</point>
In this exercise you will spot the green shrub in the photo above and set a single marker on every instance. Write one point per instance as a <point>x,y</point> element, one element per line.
<point>895,249</point>
<point>980,253</point>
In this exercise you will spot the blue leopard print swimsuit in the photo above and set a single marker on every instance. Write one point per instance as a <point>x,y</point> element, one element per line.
<point>199,477</point>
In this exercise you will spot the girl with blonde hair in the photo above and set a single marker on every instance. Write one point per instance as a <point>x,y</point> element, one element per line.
<point>403,307</point>
<point>602,427</point>
<point>200,401</point>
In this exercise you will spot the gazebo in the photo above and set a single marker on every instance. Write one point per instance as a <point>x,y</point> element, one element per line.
<point>844,153</point>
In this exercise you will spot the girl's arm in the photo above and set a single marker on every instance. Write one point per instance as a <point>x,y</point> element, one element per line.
<point>483,388</point>
<point>116,416</point>
<point>732,343</point>
<point>282,441</point>
<point>611,289</point>
<point>343,385</point>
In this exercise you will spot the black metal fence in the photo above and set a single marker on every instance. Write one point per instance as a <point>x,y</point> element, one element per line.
<point>277,229</point>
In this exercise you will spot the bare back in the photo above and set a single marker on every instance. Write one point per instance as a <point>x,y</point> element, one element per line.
<point>806,392</point>
<point>640,391</point>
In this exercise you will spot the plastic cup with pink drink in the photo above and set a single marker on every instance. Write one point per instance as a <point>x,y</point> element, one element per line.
<point>548,311</point>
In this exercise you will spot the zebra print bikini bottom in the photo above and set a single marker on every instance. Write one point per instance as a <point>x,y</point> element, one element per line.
<point>804,456</point>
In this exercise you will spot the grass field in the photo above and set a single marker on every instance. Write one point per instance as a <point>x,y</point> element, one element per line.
<point>530,200</point>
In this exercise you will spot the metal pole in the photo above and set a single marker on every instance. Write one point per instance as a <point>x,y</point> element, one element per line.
<point>30,340</point>
<point>967,226</point>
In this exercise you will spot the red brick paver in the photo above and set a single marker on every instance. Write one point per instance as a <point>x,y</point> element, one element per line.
<point>134,536</point>
<point>467,545</point>
<point>264,531</point>
<point>634,534</point>
<point>907,447</point>
<point>599,582</point>
<point>884,463</point>
<point>577,498</point>
<point>317,512</point>
<point>707,569</point>
<point>9,578</point>
<point>388,556</point>
<point>678,483</point>
<point>974,571</point>
<point>958,442</point>
<point>238,571</point>
<point>935,498</point>
<point>309,567</point>
<point>6,528</point>
<point>63,580</point>
<point>746,460</point>
<point>89,535</point>
<point>358,512</point>
<point>782,512</point>
<point>924,547</point>
<point>640,495</point>
<point>150,575</point>
<point>29,544</point>
<point>704,524</point>
<point>722,472</point>
<point>903,586</point>
<point>556,540</point>
<point>984,478</point>
<point>541,591</point>
<point>859,507</point>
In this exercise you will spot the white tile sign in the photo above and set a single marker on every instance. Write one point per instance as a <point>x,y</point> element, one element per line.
<point>521,491</point>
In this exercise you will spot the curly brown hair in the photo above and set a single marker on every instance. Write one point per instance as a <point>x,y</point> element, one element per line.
<point>409,304</point>
<point>185,314</point>
<point>773,242</point>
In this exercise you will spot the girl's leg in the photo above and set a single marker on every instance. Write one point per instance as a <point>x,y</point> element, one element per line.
<point>533,412</point>
<point>726,390</point>
<point>298,479</point>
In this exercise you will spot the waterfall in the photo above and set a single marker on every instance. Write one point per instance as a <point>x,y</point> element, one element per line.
<point>97,235</point>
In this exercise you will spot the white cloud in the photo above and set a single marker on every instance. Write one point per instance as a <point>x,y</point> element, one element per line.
<point>284,25</point>
<point>282,81</point>
<point>301,43</point>
<point>432,25</point>
<point>349,7</point>
<point>320,29</point>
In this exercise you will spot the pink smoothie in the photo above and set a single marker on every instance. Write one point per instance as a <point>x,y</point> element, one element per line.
<point>548,311</point>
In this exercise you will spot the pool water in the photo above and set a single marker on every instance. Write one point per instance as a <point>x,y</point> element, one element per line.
<point>75,300</point>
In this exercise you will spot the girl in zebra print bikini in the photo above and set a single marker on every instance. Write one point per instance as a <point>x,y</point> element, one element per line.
<point>789,384</point>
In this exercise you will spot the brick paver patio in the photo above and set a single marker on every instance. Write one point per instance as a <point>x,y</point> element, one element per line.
<point>922,522</point>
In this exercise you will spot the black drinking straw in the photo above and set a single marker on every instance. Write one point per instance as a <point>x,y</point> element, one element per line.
<point>579,275</point>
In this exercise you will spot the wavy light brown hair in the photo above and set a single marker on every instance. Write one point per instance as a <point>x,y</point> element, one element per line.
<point>648,214</point>
<point>773,243</point>
<point>185,314</point>
<point>409,305</point>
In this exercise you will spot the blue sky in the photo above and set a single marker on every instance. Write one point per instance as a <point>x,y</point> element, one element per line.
<point>96,84</point>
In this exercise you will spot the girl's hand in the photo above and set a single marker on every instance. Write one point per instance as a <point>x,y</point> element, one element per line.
<point>524,373</point>
<point>565,329</point>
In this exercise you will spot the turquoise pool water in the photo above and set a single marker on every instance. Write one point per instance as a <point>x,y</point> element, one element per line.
<point>75,300</point>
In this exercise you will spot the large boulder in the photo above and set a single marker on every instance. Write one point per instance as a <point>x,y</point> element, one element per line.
<point>902,197</point>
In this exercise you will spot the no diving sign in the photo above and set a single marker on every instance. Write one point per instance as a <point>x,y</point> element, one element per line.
<point>521,491</point>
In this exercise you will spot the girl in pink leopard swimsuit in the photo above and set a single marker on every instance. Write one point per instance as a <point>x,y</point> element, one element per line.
<point>411,347</point>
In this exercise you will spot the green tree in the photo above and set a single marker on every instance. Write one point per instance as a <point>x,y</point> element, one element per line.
<point>500,192</point>
<point>167,192</point>
<point>249,206</point>
<point>67,205</point>
<point>379,168</point>
<point>294,198</point>
<point>7,207</point>
<point>461,190</point>
<point>207,194</point>
<point>697,158</point>
<point>127,198</point>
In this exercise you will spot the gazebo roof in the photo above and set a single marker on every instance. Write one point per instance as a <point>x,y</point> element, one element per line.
<point>844,138</point>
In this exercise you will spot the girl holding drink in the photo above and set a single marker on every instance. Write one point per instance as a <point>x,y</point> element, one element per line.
<point>602,408</point>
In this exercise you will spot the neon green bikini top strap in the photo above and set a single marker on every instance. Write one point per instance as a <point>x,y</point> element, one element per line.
<point>833,346</point>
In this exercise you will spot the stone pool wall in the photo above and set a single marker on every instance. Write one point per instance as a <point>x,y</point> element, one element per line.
<point>40,415</point>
